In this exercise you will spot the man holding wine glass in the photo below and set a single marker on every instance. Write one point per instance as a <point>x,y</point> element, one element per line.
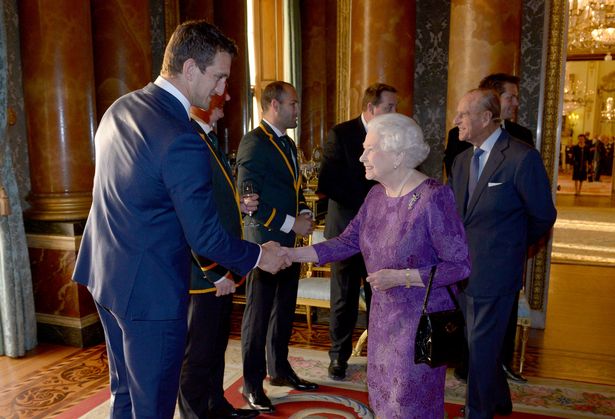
<point>268,165</point>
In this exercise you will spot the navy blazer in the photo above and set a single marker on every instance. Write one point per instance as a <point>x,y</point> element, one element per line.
<point>262,159</point>
<point>511,208</point>
<point>152,203</point>
<point>342,175</point>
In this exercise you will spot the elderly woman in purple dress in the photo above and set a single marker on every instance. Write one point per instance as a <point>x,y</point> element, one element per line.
<point>407,224</point>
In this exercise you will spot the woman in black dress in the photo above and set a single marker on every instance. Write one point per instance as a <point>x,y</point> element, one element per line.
<point>581,155</point>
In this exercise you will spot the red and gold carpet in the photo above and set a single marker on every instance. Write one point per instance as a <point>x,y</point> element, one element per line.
<point>348,399</point>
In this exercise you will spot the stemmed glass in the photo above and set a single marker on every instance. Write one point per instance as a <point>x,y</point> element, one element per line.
<point>247,191</point>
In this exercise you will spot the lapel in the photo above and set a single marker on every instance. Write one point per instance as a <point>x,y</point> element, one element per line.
<point>222,167</point>
<point>277,144</point>
<point>496,157</point>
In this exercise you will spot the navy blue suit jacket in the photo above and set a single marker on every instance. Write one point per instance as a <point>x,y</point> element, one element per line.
<point>511,208</point>
<point>152,202</point>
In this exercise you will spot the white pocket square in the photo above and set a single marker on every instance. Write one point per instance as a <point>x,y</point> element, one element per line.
<point>491,184</point>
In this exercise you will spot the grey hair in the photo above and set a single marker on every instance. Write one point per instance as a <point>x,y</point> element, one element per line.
<point>397,133</point>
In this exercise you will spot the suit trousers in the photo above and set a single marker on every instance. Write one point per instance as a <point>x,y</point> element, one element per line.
<point>150,350</point>
<point>508,349</point>
<point>267,325</point>
<point>486,321</point>
<point>346,278</point>
<point>202,378</point>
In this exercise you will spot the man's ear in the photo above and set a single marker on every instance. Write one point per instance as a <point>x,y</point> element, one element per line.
<point>487,117</point>
<point>189,68</point>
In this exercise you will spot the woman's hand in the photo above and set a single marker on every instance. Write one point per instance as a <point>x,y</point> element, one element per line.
<point>384,279</point>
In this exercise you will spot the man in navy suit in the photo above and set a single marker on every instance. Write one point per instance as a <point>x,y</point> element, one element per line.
<point>342,180</point>
<point>504,198</point>
<point>267,157</point>
<point>507,86</point>
<point>152,203</point>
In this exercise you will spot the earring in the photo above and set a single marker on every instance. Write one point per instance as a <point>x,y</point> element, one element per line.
<point>395,166</point>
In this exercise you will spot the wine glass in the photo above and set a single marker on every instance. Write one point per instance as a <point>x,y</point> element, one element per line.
<point>247,191</point>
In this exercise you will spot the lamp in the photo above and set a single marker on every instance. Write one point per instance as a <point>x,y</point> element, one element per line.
<point>575,94</point>
<point>591,26</point>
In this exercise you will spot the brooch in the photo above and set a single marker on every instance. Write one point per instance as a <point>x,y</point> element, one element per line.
<point>415,197</point>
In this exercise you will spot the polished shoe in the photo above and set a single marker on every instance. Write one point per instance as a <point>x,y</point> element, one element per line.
<point>293,381</point>
<point>259,401</point>
<point>337,370</point>
<point>461,374</point>
<point>505,409</point>
<point>228,412</point>
<point>512,375</point>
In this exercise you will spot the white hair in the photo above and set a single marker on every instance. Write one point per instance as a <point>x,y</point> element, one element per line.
<point>397,133</point>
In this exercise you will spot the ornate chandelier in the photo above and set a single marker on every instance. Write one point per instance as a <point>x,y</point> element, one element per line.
<point>591,26</point>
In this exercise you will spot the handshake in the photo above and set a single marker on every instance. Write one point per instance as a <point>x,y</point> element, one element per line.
<point>275,257</point>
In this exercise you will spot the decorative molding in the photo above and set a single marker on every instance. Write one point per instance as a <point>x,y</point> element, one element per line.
<point>65,321</point>
<point>59,206</point>
<point>343,60</point>
<point>53,242</point>
<point>554,64</point>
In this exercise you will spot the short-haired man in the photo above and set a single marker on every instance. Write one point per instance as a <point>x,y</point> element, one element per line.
<point>267,158</point>
<point>504,198</point>
<point>507,87</point>
<point>342,180</point>
<point>201,391</point>
<point>151,204</point>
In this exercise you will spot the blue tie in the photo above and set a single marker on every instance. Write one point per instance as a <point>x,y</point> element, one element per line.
<point>474,172</point>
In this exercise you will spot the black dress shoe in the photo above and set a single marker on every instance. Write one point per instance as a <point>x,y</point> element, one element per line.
<point>337,370</point>
<point>228,412</point>
<point>293,381</point>
<point>512,375</point>
<point>259,401</point>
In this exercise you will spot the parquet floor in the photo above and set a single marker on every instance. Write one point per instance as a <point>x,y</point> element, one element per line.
<point>577,344</point>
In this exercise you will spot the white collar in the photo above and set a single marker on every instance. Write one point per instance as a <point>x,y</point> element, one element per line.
<point>166,85</point>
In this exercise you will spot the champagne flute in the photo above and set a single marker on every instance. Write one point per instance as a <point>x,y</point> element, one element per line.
<point>247,191</point>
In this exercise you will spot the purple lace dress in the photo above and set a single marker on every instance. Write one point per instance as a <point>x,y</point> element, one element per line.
<point>417,230</point>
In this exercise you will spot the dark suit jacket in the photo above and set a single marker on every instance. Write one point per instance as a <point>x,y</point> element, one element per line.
<point>226,199</point>
<point>261,159</point>
<point>152,203</point>
<point>454,146</point>
<point>511,208</point>
<point>342,175</point>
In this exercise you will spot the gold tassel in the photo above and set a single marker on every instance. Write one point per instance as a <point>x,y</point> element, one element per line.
<point>5,206</point>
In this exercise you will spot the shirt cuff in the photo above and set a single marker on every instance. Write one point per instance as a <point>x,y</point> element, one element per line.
<point>260,253</point>
<point>288,224</point>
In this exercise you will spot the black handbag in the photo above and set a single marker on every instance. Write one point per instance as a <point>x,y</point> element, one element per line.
<point>440,337</point>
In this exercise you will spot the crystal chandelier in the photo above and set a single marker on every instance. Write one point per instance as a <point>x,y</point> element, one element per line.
<point>575,95</point>
<point>591,26</point>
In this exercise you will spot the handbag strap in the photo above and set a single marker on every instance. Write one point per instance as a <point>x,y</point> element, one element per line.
<point>428,291</point>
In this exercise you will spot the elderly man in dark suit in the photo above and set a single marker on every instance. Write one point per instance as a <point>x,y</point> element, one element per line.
<point>504,198</point>
<point>342,180</point>
<point>507,87</point>
<point>267,158</point>
<point>152,203</point>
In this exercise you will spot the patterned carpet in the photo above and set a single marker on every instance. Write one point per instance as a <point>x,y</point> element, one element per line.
<point>551,398</point>
<point>585,235</point>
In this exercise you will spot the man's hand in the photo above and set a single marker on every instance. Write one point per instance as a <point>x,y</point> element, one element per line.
<point>273,257</point>
<point>249,204</point>
<point>304,224</point>
<point>224,286</point>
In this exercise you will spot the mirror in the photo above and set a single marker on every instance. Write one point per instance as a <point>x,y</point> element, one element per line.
<point>589,108</point>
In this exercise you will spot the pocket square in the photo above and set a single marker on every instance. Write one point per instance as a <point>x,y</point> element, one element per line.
<point>491,184</point>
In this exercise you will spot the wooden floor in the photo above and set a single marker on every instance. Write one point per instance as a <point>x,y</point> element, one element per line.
<point>577,344</point>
